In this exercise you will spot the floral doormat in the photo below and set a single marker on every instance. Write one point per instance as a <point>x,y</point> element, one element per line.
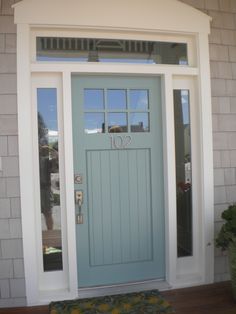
<point>133,303</point>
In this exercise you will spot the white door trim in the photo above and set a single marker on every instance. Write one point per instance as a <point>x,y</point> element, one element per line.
<point>173,279</point>
<point>199,70</point>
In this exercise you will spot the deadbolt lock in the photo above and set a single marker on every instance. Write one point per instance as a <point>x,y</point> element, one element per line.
<point>79,197</point>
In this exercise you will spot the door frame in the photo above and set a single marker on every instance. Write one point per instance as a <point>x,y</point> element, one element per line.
<point>179,272</point>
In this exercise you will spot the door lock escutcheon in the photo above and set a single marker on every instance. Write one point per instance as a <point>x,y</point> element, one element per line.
<point>79,201</point>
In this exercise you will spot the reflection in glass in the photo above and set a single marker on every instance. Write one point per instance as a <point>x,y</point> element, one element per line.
<point>139,122</point>
<point>117,122</point>
<point>110,50</point>
<point>49,178</point>
<point>94,123</point>
<point>138,99</point>
<point>116,99</point>
<point>93,99</point>
<point>183,172</point>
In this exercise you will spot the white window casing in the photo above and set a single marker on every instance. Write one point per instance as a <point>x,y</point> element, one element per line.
<point>167,20</point>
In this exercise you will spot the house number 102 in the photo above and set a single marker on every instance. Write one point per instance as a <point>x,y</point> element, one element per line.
<point>120,141</point>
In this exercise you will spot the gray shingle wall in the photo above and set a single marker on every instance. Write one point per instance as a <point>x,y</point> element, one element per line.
<point>12,283</point>
<point>223,78</point>
<point>223,75</point>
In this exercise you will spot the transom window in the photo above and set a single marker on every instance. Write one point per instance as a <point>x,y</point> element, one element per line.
<point>110,50</point>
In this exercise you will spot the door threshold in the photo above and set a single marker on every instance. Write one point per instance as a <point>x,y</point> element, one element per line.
<point>100,291</point>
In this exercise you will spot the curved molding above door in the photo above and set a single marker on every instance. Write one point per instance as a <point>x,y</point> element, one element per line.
<point>167,15</point>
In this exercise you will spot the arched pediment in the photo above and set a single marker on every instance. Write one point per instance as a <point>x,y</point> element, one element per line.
<point>160,15</point>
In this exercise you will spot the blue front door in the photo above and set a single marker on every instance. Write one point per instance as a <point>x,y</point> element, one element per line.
<point>118,157</point>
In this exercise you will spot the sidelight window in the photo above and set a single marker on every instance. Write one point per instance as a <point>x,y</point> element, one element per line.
<point>183,172</point>
<point>49,178</point>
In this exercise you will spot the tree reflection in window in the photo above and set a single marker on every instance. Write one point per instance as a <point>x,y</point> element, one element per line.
<point>49,178</point>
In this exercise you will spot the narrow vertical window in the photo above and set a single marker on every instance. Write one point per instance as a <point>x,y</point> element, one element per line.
<point>49,178</point>
<point>183,172</point>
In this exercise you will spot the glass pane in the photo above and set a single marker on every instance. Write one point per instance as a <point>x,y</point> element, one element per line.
<point>116,99</point>
<point>93,99</point>
<point>183,172</point>
<point>139,122</point>
<point>94,123</point>
<point>138,99</point>
<point>110,50</point>
<point>49,178</point>
<point>117,122</point>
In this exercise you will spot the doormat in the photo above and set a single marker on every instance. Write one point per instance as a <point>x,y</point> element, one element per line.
<point>133,303</point>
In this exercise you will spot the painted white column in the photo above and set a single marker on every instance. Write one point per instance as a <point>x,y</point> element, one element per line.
<point>25,127</point>
<point>69,185</point>
<point>207,156</point>
<point>169,177</point>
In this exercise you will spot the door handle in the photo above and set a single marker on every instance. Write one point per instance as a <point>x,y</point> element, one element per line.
<point>79,199</point>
